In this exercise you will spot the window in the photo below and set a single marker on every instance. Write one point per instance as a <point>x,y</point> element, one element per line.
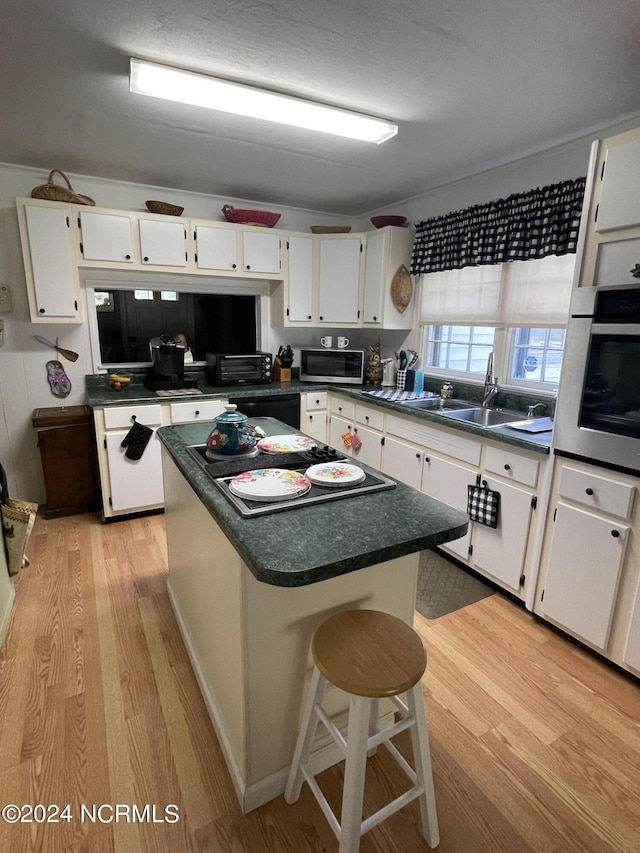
<point>518,310</point>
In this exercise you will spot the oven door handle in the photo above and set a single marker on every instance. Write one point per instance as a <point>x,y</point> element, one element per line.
<point>626,329</point>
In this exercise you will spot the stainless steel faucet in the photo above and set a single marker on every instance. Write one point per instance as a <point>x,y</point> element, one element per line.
<point>490,384</point>
<point>531,410</point>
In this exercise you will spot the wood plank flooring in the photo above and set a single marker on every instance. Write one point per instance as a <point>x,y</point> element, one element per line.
<point>535,742</point>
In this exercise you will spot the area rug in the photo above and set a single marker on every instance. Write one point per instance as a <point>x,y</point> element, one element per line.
<point>443,586</point>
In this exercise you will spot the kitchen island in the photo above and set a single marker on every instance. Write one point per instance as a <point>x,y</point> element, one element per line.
<point>248,594</point>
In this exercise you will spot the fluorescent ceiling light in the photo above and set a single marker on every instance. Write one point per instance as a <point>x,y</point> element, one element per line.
<point>187,87</point>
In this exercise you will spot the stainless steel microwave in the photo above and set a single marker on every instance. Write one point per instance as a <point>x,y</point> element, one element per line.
<point>343,366</point>
<point>245,369</point>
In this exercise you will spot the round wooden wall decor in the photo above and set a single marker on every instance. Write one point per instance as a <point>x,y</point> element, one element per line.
<point>401,288</point>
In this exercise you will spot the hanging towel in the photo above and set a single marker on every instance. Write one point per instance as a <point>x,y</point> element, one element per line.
<point>483,504</point>
<point>136,441</point>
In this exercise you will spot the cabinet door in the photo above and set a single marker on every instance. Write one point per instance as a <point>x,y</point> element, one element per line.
<point>105,237</point>
<point>216,248</point>
<point>500,552</point>
<point>135,485</point>
<point>632,648</point>
<point>163,243</point>
<point>402,461</point>
<point>261,252</point>
<point>52,264</point>
<point>315,425</point>
<point>374,272</point>
<point>371,451</point>
<point>619,205</point>
<point>447,482</point>
<point>339,280</point>
<point>300,308</point>
<point>337,428</point>
<point>586,556</point>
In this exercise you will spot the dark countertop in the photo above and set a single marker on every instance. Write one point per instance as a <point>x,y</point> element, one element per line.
<point>314,543</point>
<point>99,394</point>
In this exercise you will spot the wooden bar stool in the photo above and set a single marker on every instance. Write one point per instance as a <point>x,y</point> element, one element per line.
<point>370,655</point>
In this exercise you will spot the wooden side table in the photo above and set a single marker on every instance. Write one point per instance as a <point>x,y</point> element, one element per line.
<point>69,459</point>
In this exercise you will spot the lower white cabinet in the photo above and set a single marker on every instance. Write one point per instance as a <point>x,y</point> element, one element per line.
<point>402,461</point>
<point>631,655</point>
<point>134,485</point>
<point>313,415</point>
<point>448,482</point>
<point>339,426</point>
<point>370,450</point>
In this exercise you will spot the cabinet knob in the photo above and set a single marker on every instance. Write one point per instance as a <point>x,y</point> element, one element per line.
<point>427,459</point>
<point>417,456</point>
<point>197,412</point>
<point>507,467</point>
<point>317,402</point>
<point>127,257</point>
<point>145,259</point>
<point>248,267</point>
<point>589,491</point>
<point>375,319</point>
<point>321,318</point>
<point>308,316</point>
<point>615,534</point>
<point>233,266</point>
<point>339,408</point>
<point>366,417</point>
<point>310,417</point>
<point>42,311</point>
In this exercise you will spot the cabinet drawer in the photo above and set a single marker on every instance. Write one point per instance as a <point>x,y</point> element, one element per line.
<point>196,410</point>
<point>597,492</point>
<point>511,465</point>
<point>123,416</point>
<point>316,401</point>
<point>344,408</point>
<point>368,416</point>
<point>444,440</point>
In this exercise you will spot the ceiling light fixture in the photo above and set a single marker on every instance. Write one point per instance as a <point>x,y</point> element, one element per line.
<point>188,87</point>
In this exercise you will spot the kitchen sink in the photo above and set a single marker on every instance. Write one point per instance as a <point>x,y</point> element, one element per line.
<point>436,404</point>
<point>483,417</point>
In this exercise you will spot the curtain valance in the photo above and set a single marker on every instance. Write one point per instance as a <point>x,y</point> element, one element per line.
<point>522,227</point>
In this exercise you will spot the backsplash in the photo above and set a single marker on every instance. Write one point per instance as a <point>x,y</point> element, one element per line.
<point>503,399</point>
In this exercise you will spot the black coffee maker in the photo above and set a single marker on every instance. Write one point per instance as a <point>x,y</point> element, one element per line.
<point>167,372</point>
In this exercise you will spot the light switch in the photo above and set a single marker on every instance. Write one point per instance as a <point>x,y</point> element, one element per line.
<point>6,307</point>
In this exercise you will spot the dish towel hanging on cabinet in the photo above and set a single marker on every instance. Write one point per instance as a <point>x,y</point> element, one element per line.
<point>483,503</point>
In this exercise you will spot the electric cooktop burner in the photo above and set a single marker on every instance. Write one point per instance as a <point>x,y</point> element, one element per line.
<point>223,471</point>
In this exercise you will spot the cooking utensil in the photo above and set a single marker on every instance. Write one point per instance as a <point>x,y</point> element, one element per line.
<point>67,353</point>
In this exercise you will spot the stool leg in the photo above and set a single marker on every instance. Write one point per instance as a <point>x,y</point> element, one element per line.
<point>354,774</point>
<point>374,713</point>
<point>308,727</point>
<point>422,761</point>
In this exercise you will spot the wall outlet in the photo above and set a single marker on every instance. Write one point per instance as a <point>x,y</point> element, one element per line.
<point>6,306</point>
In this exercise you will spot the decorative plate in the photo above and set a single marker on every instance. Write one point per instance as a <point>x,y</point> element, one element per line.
<point>269,484</point>
<point>401,288</point>
<point>335,474</point>
<point>286,444</point>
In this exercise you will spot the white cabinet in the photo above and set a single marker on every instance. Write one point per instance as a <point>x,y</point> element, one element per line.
<point>339,280</point>
<point>584,570</point>
<point>448,482</point>
<point>299,288</point>
<point>369,426</point>
<point>51,271</point>
<point>196,410</point>
<point>619,205</point>
<point>106,236</point>
<point>631,655</point>
<point>313,415</point>
<point>229,248</point>
<point>385,251</point>
<point>402,461</point>
<point>163,242</point>
<point>338,427</point>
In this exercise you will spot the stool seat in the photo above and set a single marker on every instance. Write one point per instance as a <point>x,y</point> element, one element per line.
<point>369,653</point>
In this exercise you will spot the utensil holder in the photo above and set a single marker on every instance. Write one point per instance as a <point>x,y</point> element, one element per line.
<point>280,373</point>
<point>401,379</point>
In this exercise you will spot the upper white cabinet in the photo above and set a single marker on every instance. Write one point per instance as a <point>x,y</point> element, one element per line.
<point>106,236</point>
<point>619,205</point>
<point>163,242</point>
<point>238,251</point>
<point>48,249</point>
<point>386,251</point>
<point>339,280</point>
<point>299,285</point>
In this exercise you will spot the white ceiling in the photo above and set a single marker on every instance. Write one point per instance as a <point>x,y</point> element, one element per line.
<point>473,84</point>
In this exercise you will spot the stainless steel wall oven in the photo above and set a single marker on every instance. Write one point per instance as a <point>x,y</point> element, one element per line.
<point>598,412</point>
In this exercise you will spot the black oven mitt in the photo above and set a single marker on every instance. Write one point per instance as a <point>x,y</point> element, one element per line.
<point>136,440</point>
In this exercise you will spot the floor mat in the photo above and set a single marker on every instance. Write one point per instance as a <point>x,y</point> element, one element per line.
<point>444,586</point>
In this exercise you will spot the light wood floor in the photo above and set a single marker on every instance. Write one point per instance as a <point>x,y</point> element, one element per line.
<point>535,743</point>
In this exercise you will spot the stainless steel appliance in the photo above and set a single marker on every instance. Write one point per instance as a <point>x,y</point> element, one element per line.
<point>167,372</point>
<point>221,473</point>
<point>343,366</point>
<point>284,407</point>
<point>598,411</point>
<point>254,368</point>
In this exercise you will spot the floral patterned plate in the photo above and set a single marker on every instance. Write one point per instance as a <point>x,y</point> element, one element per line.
<point>335,474</point>
<point>269,484</point>
<point>286,444</point>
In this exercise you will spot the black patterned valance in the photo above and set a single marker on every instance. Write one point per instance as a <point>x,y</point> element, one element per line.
<point>521,227</point>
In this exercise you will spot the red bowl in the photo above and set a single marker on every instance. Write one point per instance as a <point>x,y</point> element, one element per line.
<point>381,221</point>
<point>250,217</point>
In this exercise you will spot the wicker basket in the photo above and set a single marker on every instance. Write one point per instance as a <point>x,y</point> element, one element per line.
<point>164,207</point>
<point>330,229</point>
<point>401,289</point>
<point>54,192</point>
